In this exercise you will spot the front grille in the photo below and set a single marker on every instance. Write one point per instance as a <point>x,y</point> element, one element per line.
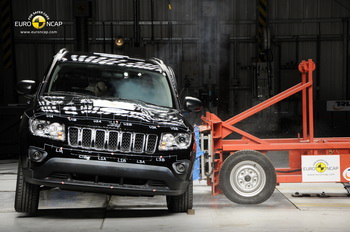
<point>111,140</point>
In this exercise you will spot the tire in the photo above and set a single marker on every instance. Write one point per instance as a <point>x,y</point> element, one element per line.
<point>182,203</point>
<point>27,195</point>
<point>247,177</point>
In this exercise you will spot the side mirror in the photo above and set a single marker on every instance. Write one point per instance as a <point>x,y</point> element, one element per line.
<point>26,87</point>
<point>192,104</point>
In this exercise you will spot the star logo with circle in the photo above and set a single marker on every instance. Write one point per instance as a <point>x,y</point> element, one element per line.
<point>321,167</point>
<point>38,22</point>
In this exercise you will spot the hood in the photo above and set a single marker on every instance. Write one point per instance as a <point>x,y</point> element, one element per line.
<point>96,108</point>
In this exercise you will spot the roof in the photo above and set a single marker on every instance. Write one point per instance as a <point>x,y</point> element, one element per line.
<point>110,59</point>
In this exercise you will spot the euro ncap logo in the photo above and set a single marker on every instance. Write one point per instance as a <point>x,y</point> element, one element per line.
<point>38,22</point>
<point>321,167</point>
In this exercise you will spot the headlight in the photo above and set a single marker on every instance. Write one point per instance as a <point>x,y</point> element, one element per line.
<point>47,129</point>
<point>174,141</point>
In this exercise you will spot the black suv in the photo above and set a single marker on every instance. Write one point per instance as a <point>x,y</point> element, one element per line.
<point>109,124</point>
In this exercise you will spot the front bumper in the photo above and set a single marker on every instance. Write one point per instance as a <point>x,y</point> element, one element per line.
<point>107,177</point>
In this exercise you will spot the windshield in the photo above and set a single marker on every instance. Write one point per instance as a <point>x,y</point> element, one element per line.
<point>112,82</point>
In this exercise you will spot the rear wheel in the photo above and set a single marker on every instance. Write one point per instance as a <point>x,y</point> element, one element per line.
<point>247,177</point>
<point>182,203</point>
<point>27,195</point>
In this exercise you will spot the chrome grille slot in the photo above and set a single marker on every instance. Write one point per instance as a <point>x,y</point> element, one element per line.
<point>125,145</point>
<point>151,143</point>
<point>139,142</point>
<point>100,139</point>
<point>86,138</point>
<point>73,136</point>
<point>111,140</point>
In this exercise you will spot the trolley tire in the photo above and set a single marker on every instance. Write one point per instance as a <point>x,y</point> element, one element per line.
<point>247,177</point>
<point>27,195</point>
<point>182,203</point>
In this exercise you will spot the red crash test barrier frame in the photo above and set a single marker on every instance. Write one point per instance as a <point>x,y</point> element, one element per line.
<point>304,145</point>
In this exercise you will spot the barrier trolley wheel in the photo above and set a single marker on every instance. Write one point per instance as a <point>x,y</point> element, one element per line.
<point>247,177</point>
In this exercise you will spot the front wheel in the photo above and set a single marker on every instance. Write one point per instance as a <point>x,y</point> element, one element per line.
<point>27,195</point>
<point>182,203</point>
<point>247,177</point>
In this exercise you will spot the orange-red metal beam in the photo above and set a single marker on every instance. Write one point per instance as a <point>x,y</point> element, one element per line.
<point>269,102</point>
<point>304,107</point>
